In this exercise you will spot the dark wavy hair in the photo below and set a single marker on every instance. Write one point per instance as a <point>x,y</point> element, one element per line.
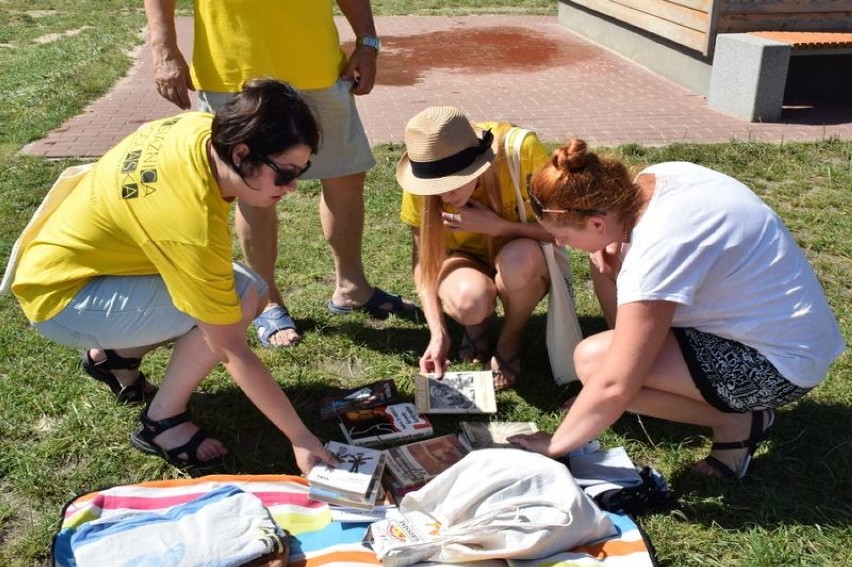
<point>267,115</point>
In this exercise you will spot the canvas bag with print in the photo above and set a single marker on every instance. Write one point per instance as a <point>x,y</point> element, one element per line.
<point>494,503</point>
<point>563,328</point>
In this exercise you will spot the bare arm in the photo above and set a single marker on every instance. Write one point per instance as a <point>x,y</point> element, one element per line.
<point>171,72</point>
<point>434,359</point>
<point>361,66</point>
<point>229,344</point>
<point>640,331</point>
<point>477,217</point>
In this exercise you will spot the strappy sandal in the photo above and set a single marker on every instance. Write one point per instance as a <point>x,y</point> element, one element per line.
<point>758,435</point>
<point>139,391</point>
<point>507,372</point>
<point>476,348</point>
<point>143,439</point>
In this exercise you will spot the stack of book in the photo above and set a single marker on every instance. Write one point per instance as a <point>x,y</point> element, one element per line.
<point>381,425</point>
<point>356,482</point>
<point>409,467</point>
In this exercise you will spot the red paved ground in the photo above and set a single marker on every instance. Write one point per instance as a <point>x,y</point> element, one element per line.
<point>524,69</point>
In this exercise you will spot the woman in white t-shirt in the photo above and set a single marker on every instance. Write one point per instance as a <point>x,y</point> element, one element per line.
<point>716,316</point>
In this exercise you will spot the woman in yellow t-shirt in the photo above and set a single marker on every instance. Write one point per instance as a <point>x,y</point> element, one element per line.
<point>470,246</point>
<point>138,253</point>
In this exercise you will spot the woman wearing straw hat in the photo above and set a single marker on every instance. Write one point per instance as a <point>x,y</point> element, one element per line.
<point>470,246</point>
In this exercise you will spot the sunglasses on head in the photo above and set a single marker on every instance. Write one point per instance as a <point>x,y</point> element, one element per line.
<point>539,210</point>
<point>284,176</point>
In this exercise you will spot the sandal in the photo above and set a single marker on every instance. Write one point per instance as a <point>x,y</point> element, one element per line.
<point>477,348</point>
<point>138,391</point>
<point>380,306</point>
<point>143,439</point>
<point>507,372</point>
<point>272,321</point>
<point>758,435</point>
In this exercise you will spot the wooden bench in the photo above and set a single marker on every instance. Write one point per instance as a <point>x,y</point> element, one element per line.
<point>750,70</point>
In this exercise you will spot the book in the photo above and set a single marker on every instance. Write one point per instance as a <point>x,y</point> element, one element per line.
<point>410,466</point>
<point>455,392</point>
<point>384,424</point>
<point>488,434</point>
<point>381,392</point>
<point>355,482</point>
<point>599,471</point>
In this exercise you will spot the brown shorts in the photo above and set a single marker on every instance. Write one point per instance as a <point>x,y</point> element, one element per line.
<point>456,259</point>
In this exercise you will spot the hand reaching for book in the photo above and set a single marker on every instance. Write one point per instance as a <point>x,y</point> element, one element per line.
<point>538,442</point>
<point>311,452</point>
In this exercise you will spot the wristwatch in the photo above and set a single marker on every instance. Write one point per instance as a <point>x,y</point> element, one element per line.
<point>373,42</point>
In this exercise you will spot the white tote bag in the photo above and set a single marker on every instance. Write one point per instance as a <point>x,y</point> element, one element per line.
<point>66,182</point>
<point>494,503</point>
<point>563,328</point>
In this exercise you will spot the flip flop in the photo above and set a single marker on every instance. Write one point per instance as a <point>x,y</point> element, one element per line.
<point>758,435</point>
<point>271,321</point>
<point>380,306</point>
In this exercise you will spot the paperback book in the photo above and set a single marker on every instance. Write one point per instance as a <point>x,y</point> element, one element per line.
<point>384,424</point>
<point>490,434</point>
<point>355,482</point>
<point>455,392</point>
<point>381,392</point>
<point>410,466</point>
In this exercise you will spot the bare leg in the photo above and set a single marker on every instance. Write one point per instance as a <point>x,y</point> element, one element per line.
<point>522,280</point>
<point>192,360</point>
<point>670,394</point>
<point>342,218</point>
<point>257,229</point>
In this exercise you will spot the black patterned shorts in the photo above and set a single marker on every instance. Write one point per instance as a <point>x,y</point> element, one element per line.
<point>731,376</point>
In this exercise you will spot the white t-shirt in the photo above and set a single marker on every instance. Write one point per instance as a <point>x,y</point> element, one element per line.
<point>709,244</point>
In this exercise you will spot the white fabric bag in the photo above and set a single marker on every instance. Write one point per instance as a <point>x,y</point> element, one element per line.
<point>494,503</point>
<point>67,181</point>
<point>563,328</point>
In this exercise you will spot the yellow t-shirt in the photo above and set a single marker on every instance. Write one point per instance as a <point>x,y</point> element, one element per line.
<point>149,206</point>
<point>239,40</point>
<point>533,156</point>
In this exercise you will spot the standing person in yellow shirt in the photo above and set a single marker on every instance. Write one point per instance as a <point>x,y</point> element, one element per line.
<point>138,254</point>
<point>239,40</point>
<point>470,246</point>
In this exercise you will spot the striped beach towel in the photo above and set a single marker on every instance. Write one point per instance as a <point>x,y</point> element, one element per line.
<point>317,540</point>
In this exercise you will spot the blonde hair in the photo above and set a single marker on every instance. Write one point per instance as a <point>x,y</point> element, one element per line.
<point>576,178</point>
<point>433,242</point>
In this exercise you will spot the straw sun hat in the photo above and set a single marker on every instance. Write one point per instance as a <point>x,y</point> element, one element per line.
<point>444,151</point>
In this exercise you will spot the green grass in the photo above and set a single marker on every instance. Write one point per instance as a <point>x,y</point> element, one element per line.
<point>61,434</point>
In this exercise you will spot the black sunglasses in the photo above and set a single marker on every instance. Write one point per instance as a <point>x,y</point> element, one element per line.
<point>539,210</point>
<point>284,176</point>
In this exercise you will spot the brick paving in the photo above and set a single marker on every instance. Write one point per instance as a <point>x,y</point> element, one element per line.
<point>525,69</point>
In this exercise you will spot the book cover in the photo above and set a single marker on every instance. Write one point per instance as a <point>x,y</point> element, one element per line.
<point>381,392</point>
<point>456,392</point>
<point>410,466</point>
<point>490,434</point>
<point>383,424</point>
<point>355,478</point>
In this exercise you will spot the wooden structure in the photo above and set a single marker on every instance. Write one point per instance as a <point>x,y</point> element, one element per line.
<point>694,24</point>
<point>771,50</point>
